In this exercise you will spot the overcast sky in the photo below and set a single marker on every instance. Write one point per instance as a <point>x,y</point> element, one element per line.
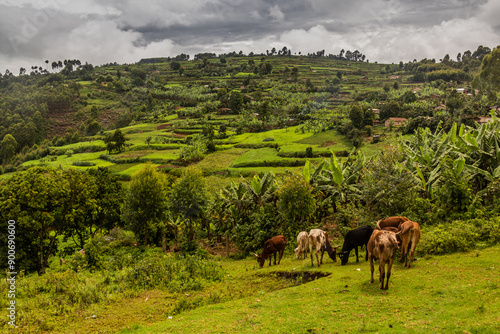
<point>103,31</point>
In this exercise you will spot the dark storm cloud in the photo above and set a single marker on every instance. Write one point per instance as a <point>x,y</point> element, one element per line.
<point>100,31</point>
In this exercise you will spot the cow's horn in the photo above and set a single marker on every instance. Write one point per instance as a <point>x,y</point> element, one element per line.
<point>255,254</point>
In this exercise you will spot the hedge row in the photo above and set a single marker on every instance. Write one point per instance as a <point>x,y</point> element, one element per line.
<point>276,163</point>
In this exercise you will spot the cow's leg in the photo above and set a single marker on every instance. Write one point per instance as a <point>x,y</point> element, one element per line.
<point>270,257</point>
<point>372,268</point>
<point>404,249</point>
<point>275,258</point>
<point>322,252</point>
<point>281,254</point>
<point>389,267</point>
<point>311,251</point>
<point>317,258</point>
<point>412,253</point>
<point>381,269</point>
<point>356,250</point>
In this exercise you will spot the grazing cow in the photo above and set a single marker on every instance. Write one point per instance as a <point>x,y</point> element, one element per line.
<point>303,241</point>
<point>410,236</point>
<point>332,251</point>
<point>353,239</point>
<point>391,221</point>
<point>317,239</point>
<point>382,246</point>
<point>272,246</point>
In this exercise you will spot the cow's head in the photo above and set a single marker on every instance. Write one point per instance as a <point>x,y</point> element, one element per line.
<point>260,260</point>
<point>333,254</point>
<point>344,257</point>
<point>297,252</point>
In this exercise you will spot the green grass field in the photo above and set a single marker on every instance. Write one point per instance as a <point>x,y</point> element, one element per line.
<point>457,293</point>
<point>454,293</point>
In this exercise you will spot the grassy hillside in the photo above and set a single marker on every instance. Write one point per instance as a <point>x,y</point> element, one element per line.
<point>297,105</point>
<point>148,270</point>
<point>445,294</point>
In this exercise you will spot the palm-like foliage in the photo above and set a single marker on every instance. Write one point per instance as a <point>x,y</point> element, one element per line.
<point>337,179</point>
<point>262,190</point>
<point>425,153</point>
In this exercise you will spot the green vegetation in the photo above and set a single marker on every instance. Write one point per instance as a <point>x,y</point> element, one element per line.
<point>157,180</point>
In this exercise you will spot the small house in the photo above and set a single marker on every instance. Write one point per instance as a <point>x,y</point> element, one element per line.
<point>396,121</point>
<point>482,119</point>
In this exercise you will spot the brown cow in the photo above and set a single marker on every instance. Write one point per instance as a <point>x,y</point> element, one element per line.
<point>391,222</point>
<point>410,236</point>
<point>382,246</point>
<point>272,246</point>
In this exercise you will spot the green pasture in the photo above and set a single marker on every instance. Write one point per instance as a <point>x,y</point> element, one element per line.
<point>79,145</point>
<point>457,293</point>
<point>280,136</point>
<point>65,161</point>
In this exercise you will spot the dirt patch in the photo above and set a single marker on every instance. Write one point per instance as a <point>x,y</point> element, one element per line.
<point>219,248</point>
<point>163,126</point>
<point>177,135</point>
<point>300,277</point>
<point>328,143</point>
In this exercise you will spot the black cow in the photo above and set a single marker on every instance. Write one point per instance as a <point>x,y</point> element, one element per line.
<point>354,238</point>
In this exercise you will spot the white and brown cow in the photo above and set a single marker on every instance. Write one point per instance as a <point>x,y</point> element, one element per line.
<point>382,246</point>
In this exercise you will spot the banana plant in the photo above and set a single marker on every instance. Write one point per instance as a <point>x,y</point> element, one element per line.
<point>236,194</point>
<point>262,190</point>
<point>481,146</point>
<point>337,179</point>
<point>426,152</point>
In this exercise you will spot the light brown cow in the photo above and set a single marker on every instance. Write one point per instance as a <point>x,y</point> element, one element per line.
<point>410,236</point>
<point>382,246</point>
<point>303,241</point>
<point>391,222</point>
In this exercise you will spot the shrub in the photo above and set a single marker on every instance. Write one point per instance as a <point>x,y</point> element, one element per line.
<point>455,237</point>
<point>83,163</point>
<point>174,273</point>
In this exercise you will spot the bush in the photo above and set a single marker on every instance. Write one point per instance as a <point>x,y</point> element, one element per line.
<point>457,236</point>
<point>83,163</point>
<point>174,273</point>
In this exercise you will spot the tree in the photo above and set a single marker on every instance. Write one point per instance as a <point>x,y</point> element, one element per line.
<point>37,199</point>
<point>7,148</point>
<point>175,65</point>
<point>187,200</point>
<point>108,196</point>
<point>296,202</point>
<point>356,116</point>
<point>488,80</point>
<point>236,101</point>
<point>115,141</point>
<point>80,205</point>
<point>145,208</point>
